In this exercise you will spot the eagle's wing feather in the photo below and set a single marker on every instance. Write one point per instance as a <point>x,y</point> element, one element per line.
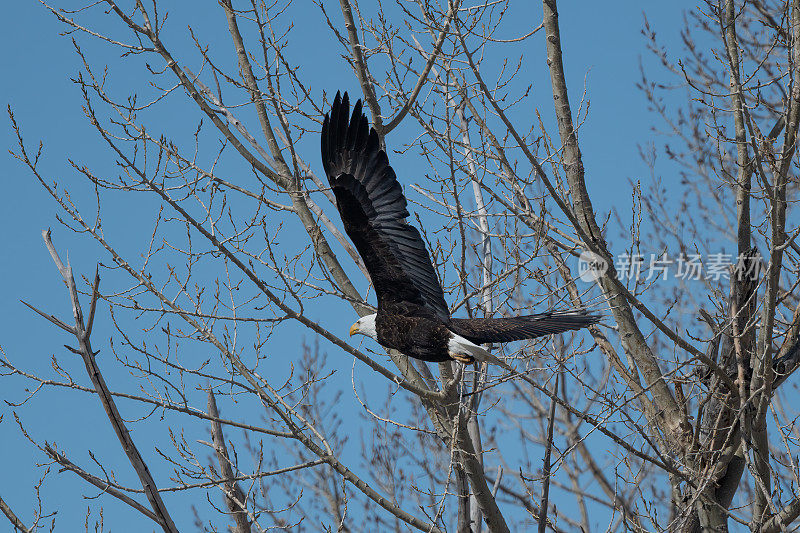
<point>483,330</point>
<point>373,210</point>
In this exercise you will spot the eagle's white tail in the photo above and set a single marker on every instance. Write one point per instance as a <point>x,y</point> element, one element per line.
<point>461,346</point>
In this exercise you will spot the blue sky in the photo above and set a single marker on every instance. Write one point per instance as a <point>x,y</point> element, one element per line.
<point>603,46</point>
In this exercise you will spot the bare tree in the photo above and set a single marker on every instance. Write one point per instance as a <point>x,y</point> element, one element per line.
<point>678,420</point>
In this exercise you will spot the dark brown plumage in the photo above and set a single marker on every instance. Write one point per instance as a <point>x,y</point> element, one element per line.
<point>412,314</point>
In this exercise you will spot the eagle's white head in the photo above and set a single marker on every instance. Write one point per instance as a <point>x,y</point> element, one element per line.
<point>365,326</point>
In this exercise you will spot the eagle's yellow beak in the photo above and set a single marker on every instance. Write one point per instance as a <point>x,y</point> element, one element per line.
<point>354,329</point>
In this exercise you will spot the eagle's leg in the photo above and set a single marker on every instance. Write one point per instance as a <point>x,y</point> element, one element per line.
<point>461,358</point>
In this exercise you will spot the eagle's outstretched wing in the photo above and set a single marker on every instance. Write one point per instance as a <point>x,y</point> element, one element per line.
<point>373,210</point>
<point>483,330</point>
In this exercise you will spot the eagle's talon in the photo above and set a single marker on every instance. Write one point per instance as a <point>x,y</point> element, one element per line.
<point>461,358</point>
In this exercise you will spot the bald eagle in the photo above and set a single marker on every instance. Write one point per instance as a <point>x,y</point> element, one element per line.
<point>412,314</point>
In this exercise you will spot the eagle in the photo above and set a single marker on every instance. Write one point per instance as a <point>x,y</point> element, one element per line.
<point>412,316</point>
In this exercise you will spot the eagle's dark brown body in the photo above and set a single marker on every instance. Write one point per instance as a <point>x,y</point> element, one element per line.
<point>422,337</point>
<point>412,314</point>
